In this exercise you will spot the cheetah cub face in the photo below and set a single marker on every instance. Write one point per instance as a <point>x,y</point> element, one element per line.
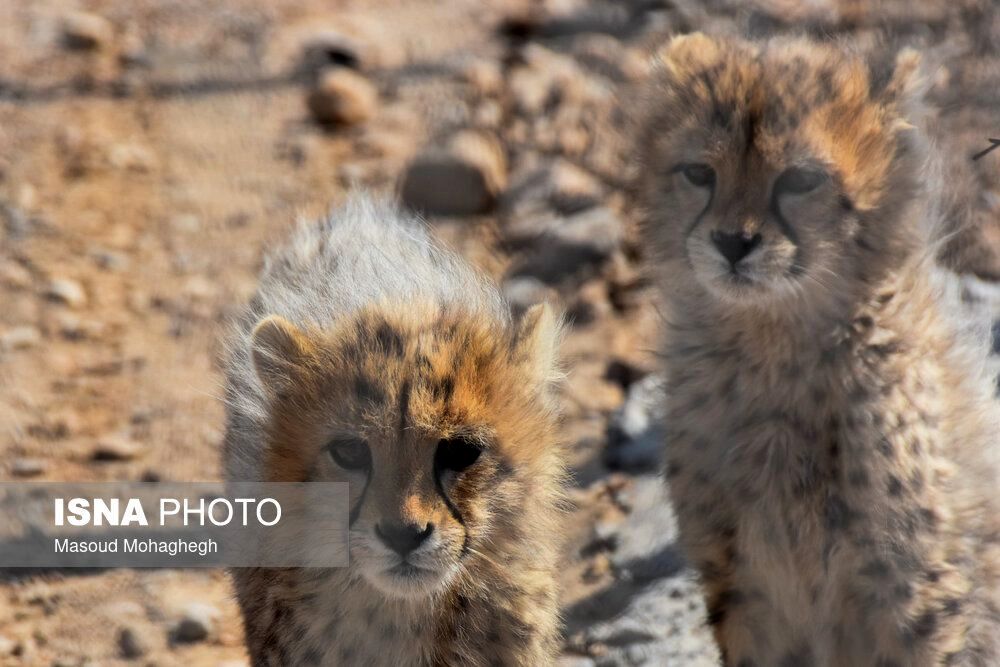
<point>768,166</point>
<point>440,424</point>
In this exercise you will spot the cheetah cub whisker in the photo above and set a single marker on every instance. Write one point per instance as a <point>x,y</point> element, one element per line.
<point>371,355</point>
<point>832,451</point>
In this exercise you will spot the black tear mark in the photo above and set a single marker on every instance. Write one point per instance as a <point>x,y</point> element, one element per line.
<point>986,151</point>
<point>356,510</point>
<point>389,340</point>
<point>452,509</point>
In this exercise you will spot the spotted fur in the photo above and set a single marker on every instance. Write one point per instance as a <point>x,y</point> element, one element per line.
<point>832,450</point>
<point>364,332</point>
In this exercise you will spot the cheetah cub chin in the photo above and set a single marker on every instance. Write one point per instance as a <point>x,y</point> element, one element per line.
<point>369,355</point>
<point>832,444</point>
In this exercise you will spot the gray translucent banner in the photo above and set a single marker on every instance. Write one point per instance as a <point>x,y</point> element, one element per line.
<point>173,524</point>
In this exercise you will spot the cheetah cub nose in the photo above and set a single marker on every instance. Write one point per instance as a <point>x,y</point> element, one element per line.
<point>734,247</point>
<point>403,537</point>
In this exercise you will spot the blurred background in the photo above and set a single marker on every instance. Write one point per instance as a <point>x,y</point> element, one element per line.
<point>150,151</point>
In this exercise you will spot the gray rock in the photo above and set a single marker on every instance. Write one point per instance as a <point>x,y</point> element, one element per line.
<point>560,186</point>
<point>117,448</point>
<point>653,613</point>
<point>342,97</point>
<point>561,249</point>
<point>463,177</point>
<point>27,467</point>
<point>67,291</point>
<point>20,338</point>
<point>635,431</point>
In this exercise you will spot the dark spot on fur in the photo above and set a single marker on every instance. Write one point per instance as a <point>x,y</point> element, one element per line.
<point>858,478</point>
<point>444,388</point>
<point>877,568</point>
<point>951,606</point>
<point>366,390</point>
<point>389,341</point>
<point>885,448</point>
<point>922,628</point>
<point>894,486</point>
<point>837,515</point>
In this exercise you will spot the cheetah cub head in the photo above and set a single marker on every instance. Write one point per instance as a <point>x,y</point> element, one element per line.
<point>782,170</point>
<point>442,423</point>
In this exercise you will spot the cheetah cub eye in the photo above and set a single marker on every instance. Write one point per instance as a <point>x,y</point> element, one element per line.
<point>350,454</point>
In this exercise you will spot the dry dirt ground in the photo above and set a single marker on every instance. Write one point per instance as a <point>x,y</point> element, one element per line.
<point>151,151</point>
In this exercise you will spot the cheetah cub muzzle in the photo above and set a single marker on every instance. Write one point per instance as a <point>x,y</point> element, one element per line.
<point>832,444</point>
<point>371,356</point>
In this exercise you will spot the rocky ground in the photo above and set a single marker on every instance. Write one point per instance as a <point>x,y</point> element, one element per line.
<point>151,150</point>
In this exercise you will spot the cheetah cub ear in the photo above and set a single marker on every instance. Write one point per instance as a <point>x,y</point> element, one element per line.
<point>901,84</point>
<point>278,348</point>
<point>536,343</point>
<point>692,51</point>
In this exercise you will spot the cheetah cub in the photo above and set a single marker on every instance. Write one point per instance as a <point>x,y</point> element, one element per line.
<point>831,450</point>
<point>372,356</point>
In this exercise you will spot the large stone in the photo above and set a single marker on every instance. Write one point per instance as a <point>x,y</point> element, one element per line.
<point>463,177</point>
<point>342,97</point>
<point>566,249</point>
<point>560,186</point>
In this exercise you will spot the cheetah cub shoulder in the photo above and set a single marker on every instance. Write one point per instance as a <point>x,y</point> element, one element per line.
<point>371,355</point>
<point>832,449</point>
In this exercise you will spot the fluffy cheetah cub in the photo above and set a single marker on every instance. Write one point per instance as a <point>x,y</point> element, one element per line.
<point>831,448</point>
<point>370,355</point>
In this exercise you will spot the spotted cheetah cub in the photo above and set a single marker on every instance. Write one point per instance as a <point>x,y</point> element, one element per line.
<point>370,355</point>
<point>831,450</point>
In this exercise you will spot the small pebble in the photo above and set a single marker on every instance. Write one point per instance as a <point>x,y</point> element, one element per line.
<point>196,623</point>
<point>117,448</point>
<point>20,338</point>
<point>67,291</point>
<point>82,31</point>
<point>27,467</point>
